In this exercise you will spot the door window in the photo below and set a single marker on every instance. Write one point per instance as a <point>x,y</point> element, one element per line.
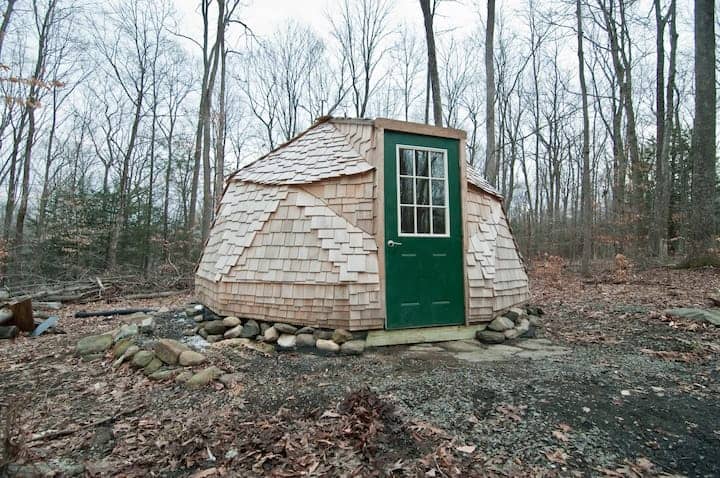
<point>422,192</point>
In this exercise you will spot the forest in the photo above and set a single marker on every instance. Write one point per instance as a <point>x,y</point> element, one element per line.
<point>595,119</point>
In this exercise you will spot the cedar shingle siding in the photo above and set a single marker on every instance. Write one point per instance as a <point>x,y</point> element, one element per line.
<point>295,237</point>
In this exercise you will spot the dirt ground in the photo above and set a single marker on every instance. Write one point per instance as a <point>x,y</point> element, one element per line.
<point>636,395</point>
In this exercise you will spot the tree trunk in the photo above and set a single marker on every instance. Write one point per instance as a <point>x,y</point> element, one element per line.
<point>702,213</point>
<point>586,191</point>
<point>491,165</point>
<point>428,14</point>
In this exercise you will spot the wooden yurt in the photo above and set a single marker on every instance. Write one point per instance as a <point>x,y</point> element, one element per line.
<point>363,225</point>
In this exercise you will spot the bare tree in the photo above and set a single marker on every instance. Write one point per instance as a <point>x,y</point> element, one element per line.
<point>361,30</point>
<point>704,150</point>
<point>491,164</point>
<point>587,214</point>
<point>428,12</point>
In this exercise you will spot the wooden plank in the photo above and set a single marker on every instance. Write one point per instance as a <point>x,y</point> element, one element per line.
<point>381,338</point>
<point>419,128</point>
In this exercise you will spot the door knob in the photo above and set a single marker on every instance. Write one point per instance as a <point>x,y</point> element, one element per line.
<point>392,243</point>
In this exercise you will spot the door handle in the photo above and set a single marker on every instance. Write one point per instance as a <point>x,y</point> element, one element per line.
<point>392,243</point>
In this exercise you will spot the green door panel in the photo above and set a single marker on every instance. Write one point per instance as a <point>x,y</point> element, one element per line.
<point>423,231</point>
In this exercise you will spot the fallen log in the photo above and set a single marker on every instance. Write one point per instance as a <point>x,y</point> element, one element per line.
<point>55,434</point>
<point>48,305</point>
<point>154,295</point>
<point>83,314</point>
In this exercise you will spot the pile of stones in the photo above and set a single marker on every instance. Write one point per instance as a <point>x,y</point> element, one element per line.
<point>515,323</point>
<point>280,336</point>
<point>161,359</point>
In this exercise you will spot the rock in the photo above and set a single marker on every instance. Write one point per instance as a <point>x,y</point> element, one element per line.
<point>190,358</point>
<point>165,374</point>
<point>534,320</point>
<point>120,347</point>
<point>490,337</point>
<point>135,318</point>
<point>203,333</point>
<point>304,341</point>
<point>214,338</point>
<point>523,326</point>
<point>328,346</point>
<point>183,377</point>
<point>511,334</point>
<point>5,315</point>
<point>264,326</point>
<point>169,350</point>
<point>501,324</point>
<point>531,333</point>
<point>248,344</point>
<point>8,332</point>
<point>353,347</point>
<point>534,310</point>
<point>142,358</point>
<point>56,467</point>
<point>94,344</point>
<point>234,333</point>
<point>153,366</point>
<point>128,354</point>
<point>701,315</point>
<point>515,314</point>
<point>162,310</point>
<point>231,322</point>
<point>341,336</point>
<point>193,310</point>
<point>305,330</point>
<point>214,327</point>
<point>198,318</point>
<point>285,328</point>
<point>230,379</point>
<point>323,334</point>
<point>250,330</point>
<point>287,341</point>
<point>147,326</point>
<point>189,332</point>
<point>231,453</point>
<point>91,357</point>
<point>204,377</point>
<point>271,335</point>
<point>129,330</point>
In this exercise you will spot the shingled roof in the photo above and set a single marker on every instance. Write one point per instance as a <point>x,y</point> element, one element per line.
<point>475,178</point>
<point>319,153</point>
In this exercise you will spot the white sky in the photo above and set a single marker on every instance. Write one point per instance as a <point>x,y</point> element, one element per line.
<point>263,16</point>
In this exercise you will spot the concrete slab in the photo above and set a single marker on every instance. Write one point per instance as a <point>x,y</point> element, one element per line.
<point>380,338</point>
<point>461,346</point>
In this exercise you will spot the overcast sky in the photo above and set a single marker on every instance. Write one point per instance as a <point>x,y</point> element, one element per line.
<point>263,16</point>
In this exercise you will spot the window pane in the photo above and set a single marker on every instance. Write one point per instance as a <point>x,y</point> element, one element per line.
<point>438,192</point>
<point>406,190</point>
<point>406,162</point>
<point>422,193</point>
<point>407,219</point>
<point>423,220</point>
<point>437,164</point>
<point>421,163</point>
<point>438,218</point>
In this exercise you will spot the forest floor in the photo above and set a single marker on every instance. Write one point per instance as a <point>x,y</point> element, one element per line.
<point>636,395</point>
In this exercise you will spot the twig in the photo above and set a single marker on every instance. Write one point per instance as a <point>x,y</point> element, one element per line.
<point>55,434</point>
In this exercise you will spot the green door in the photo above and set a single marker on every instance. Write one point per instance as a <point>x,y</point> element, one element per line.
<point>423,231</point>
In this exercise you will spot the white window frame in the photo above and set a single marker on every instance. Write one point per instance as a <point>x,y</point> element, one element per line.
<point>444,152</point>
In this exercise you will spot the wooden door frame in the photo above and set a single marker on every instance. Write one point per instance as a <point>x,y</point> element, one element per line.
<point>378,160</point>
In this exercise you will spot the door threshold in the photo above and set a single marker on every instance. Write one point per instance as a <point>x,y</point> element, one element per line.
<point>381,338</point>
